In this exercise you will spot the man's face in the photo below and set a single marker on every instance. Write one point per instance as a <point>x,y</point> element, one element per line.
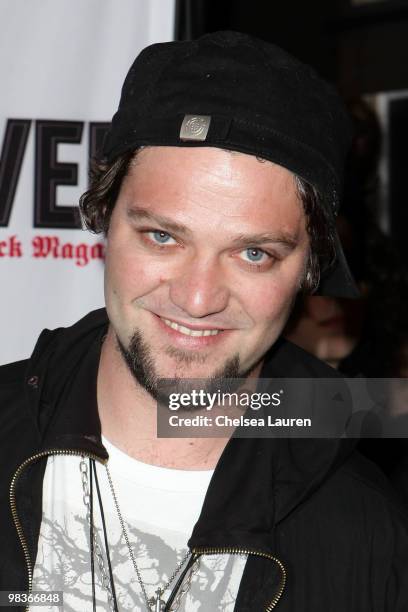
<point>206,251</point>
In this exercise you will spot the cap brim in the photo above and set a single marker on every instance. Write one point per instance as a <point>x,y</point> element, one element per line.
<point>338,280</point>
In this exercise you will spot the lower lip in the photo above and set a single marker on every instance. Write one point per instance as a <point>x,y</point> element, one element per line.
<point>192,342</point>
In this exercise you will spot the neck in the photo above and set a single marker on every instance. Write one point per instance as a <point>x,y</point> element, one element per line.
<point>128,417</point>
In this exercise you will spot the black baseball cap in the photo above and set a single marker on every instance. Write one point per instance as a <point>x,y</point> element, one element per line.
<point>233,91</point>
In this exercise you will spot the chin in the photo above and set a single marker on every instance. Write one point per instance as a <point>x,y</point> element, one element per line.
<point>184,370</point>
<point>148,364</point>
<point>338,349</point>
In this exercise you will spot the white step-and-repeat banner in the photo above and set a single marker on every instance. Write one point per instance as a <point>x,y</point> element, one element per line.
<point>62,64</point>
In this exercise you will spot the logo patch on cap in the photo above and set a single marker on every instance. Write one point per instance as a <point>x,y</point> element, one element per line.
<point>195,127</point>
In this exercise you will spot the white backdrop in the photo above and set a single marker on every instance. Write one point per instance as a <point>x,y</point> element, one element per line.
<point>60,61</point>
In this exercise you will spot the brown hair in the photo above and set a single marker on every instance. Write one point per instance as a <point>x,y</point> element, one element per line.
<point>98,202</point>
<point>321,229</point>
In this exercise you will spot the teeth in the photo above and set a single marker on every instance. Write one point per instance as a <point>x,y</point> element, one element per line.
<point>190,332</point>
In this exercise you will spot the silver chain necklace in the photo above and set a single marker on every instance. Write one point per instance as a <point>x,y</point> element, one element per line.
<point>155,603</point>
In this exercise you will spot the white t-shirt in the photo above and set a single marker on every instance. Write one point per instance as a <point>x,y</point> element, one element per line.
<point>159,506</point>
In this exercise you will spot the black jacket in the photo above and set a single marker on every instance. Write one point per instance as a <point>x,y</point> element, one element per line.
<point>320,521</point>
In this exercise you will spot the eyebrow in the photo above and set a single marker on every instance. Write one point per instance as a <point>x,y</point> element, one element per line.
<point>139,213</point>
<point>283,238</point>
<point>244,240</point>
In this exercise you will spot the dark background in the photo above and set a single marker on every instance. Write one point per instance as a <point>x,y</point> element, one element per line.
<point>362,49</point>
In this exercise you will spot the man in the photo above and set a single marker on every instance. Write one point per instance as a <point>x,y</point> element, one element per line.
<point>217,190</point>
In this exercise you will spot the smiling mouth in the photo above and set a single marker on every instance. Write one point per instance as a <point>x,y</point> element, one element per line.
<point>187,331</point>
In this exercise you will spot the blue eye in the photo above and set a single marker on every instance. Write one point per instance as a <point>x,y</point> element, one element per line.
<point>161,237</point>
<point>255,255</point>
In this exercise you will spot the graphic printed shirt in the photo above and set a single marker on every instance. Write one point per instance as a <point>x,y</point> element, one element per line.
<point>159,506</point>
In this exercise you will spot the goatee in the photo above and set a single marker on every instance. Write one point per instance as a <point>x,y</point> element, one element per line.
<point>140,362</point>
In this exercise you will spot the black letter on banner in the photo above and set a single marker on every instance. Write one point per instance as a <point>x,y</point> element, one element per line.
<point>14,145</point>
<point>97,131</point>
<point>49,173</point>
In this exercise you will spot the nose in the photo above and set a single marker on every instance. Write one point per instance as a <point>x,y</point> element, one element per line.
<point>200,288</point>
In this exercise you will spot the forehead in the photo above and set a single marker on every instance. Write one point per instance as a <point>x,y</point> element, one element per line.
<point>208,183</point>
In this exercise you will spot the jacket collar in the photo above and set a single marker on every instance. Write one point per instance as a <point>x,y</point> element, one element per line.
<point>65,364</point>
